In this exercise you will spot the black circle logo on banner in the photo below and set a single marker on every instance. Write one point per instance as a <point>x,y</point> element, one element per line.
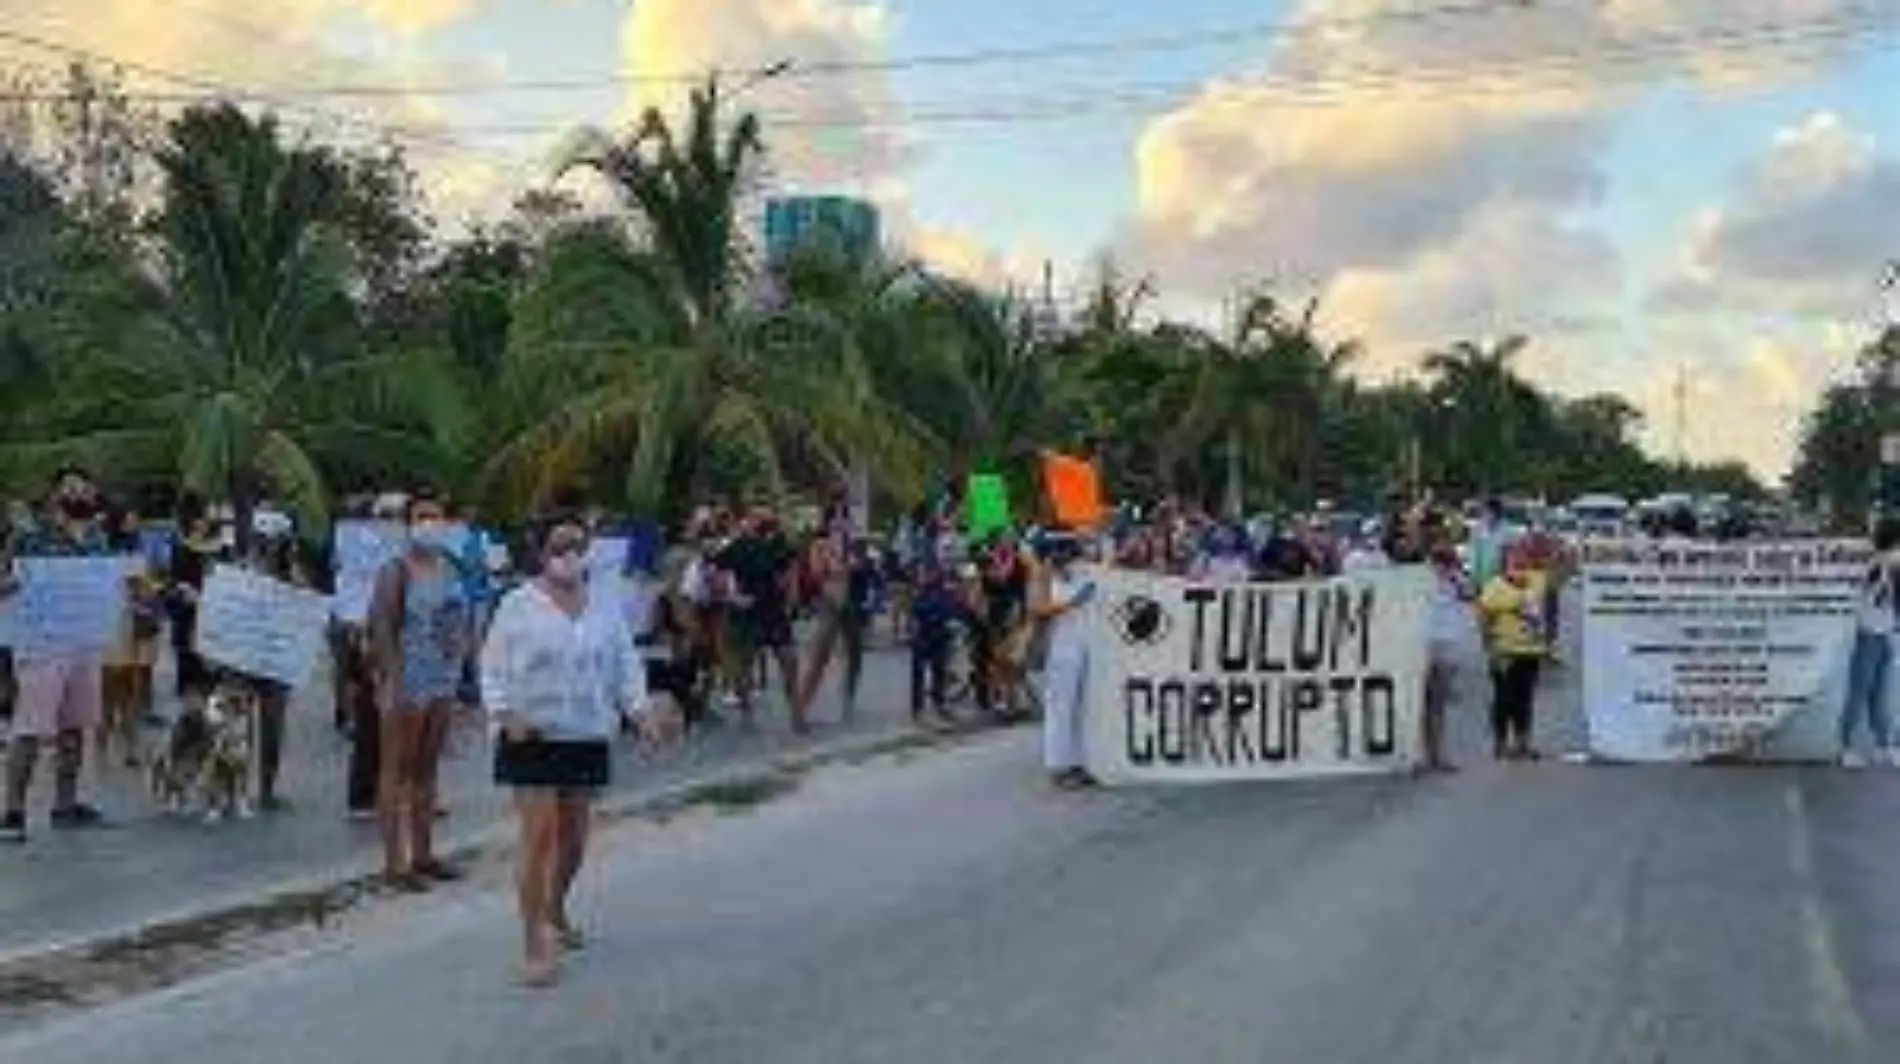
<point>1141,621</point>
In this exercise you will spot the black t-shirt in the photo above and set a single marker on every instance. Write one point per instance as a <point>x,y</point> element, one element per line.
<point>758,565</point>
<point>861,586</point>
<point>1006,593</point>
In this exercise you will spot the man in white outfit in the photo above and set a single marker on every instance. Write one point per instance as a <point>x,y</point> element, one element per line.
<point>1062,595</point>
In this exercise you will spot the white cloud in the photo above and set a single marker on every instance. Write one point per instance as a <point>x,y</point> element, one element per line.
<point>293,45</point>
<point>1773,289</point>
<point>1806,232</point>
<point>858,144</point>
<point>1511,269</point>
<point>1332,162</point>
<point>1447,200</point>
<point>1748,388</point>
<point>414,17</point>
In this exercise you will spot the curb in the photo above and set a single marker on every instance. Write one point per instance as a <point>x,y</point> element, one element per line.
<point>314,898</point>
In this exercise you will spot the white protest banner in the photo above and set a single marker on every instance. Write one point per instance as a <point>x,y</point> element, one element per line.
<point>1193,682</point>
<point>607,555</point>
<point>263,627</point>
<point>362,548</point>
<point>69,605</point>
<point>607,587</point>
<point>1718,650</point>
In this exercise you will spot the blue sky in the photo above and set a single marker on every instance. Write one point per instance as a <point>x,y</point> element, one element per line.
<point>1633,221</point>
<point>1061,184</point>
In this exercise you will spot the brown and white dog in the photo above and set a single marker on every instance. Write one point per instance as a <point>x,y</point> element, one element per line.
<point>207,757</point>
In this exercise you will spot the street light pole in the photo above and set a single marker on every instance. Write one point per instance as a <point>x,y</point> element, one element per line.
<point>1887,288</point>
<point>775,69</point>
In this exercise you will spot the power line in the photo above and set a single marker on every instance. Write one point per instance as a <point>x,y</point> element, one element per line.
<point>1471,76</point>
<point>800,69</point>
<point>209,88</point>
<point>1355,83</point>
<point>1723,51</point>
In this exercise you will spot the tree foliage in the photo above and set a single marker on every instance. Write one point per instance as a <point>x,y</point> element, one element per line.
<point>209,302</point>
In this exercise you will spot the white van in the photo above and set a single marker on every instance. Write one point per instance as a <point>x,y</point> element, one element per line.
<point>1601,516</point>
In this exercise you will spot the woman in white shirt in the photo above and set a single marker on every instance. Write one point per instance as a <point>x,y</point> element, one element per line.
<point>1451,633</point>
<point>558,678</point>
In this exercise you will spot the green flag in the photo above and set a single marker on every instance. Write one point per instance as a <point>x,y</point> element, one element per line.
<point>988,502</point>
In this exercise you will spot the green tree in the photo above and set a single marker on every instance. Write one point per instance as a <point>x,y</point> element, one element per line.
<point>229,367</point>
<point>673,348</point>
<point>1494,413</point>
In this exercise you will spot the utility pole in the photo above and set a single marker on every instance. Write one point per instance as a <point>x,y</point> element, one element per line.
<point>1234,503</point>
<point>1682,415</point>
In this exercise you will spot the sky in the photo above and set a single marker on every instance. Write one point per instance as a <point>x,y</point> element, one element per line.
<point>1660,193</point>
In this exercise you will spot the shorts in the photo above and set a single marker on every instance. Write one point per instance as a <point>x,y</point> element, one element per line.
<point>56,696</point>
<point>571,769</point>
<point>7,689</point>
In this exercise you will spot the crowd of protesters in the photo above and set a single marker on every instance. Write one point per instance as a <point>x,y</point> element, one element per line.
<point>737,602</point>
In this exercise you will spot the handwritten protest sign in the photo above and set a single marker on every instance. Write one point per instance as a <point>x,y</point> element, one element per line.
<point>263,627</point>
<point>362,549</point>
<point>606,566</point>
<point>66,605</point>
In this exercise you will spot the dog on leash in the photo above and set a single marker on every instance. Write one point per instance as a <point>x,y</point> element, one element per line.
<point>207,757</point>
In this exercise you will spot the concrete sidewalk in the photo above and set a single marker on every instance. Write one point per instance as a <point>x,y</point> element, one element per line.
<point>78,889</point>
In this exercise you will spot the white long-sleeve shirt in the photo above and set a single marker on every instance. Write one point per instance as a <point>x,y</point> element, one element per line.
<point>569,677</point>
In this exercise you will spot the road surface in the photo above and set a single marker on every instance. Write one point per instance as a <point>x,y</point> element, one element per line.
<point>152,866</point>
<point>949,907</point>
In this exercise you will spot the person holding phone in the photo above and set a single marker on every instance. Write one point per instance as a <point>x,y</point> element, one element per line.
<point>1062,593</point>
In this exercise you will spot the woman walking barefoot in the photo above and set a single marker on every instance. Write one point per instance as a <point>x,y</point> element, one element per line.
<point>557,678</point>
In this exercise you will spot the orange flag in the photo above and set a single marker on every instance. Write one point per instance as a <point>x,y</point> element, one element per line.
<point>1075,490</point>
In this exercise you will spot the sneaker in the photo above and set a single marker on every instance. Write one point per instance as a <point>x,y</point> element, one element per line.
<point>1890,757</point>
<point>78,815</point>
<point>13,827</point>
<point>1852,759</point>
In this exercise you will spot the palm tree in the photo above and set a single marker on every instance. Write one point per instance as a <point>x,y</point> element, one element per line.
<point>1318,394</point>
<point>1480,385</point>
<point>987,384</point>
<point>669,348</point>
<point>224,368</point>
<point>1267,391</point>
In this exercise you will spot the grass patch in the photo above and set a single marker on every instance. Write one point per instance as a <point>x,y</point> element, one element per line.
<point>735,796</point>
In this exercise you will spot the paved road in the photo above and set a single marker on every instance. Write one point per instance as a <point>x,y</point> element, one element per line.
<point>63,886</point>
<point>954,909</point>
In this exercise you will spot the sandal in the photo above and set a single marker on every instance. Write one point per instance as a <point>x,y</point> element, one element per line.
<point>438,871</point>
<point>406,882</point>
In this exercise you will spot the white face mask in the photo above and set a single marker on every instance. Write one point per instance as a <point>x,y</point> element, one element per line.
<point>566,568</point>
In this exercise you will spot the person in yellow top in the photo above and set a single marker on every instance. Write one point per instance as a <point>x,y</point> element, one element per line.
<point>1517,639</point>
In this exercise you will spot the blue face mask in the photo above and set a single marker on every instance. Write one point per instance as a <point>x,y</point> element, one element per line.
<point>433,535</point>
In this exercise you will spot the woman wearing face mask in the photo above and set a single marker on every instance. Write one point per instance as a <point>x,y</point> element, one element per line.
<point>418,633</point>
<point>1061,594</point>
<point>558,679</point>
